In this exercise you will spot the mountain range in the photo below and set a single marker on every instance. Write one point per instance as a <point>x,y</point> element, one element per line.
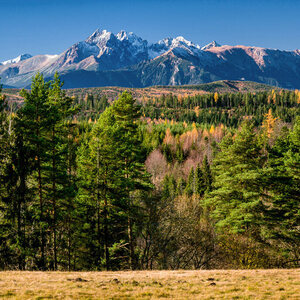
<point>124,59</point>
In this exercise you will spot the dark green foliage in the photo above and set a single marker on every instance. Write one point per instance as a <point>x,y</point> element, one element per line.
<point>283,182</point>
<point>201,185</point>
<point>39,177</point>
<point>238,190</point>
<point>75,193</point>
<point>112,169</point>
<point>229,109</point>
<point>190,188</point>
<point>206,175</point>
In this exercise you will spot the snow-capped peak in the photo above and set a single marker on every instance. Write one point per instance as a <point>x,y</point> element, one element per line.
<point>179,43</point>
<point>132,38</point>
<point>181,40</point>
<point>176,42</point>
<point>99,35</point>
<point>167,42</point>
<point>17,59</point>
<point>122,35</point>
<point>210,45</point>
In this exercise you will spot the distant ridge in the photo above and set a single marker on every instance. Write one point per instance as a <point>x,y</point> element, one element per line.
<point>124,59</point>
<point>225,86</point>
<point>21,57</point>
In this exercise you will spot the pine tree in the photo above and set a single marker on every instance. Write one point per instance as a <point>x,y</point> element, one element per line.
<point>190,188</point>
<point>60,109</point>
<point>14,169</point>
<point>3,128</point>
<point>114,167</point>
<point>98,173</point>
<point>42,134</point>
<point>131,157</point>
<point>6,183</point>
<point>33,122</point>
<point>282,182</point>
<point>4,138</point>
<point>237,198</point>
<point>200,186</point>
<point>207,176</point>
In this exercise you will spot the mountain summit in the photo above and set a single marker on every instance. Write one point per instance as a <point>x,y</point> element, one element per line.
<point>16,60</point>
<point>211,45</point>
<point>125,59</point>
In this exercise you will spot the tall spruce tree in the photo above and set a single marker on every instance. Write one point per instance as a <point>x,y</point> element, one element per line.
<point>131,156</point>
<point>112,166</point>
<point>207,176</point>
<point>98,175</point>
<point>33,123</point>
<point>7,206</point>
<point>41,128</point>
<point>60,109</point>
<point>190,188</point>
<point>282,183</point>
<point>237,198</point>
<point>200,185</point>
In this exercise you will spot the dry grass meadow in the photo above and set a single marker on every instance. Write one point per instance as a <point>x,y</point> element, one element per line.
<point>218,284</point>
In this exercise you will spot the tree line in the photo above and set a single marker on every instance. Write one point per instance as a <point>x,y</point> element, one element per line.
<point>228,109</point>
<point>120,193</point>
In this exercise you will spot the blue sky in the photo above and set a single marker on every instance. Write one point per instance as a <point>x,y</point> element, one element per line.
<point>51,26</point>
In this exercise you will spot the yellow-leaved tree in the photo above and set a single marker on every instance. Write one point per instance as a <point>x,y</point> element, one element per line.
<point>216,97</point>
<point>269,123</point>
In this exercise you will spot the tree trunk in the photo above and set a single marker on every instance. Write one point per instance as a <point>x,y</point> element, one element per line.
<point>98,208</point>
<point>107,262</point>
<point>21,199</point>
<point>130,241</point>
<point>54,200</point>
<point>129,221</point>
<point>42,231</point>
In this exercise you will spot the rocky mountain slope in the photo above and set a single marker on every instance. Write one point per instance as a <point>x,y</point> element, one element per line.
<point>124,59</point>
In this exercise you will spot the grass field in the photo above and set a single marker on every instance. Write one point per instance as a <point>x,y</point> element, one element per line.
<point>219,284</point>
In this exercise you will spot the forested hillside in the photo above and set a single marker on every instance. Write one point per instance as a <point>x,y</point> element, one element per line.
<point>223,86</point>
<point>169,181</point>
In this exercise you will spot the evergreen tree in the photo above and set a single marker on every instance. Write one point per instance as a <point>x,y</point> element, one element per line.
<point>237,198</point>
<point>200,186</point>
<point>115,157</point>
<point>33,123</point>
<point>131,156</point>
<point>98,171</point>
<point>41,131</point>
<point>282,182</point>
<point>190,188</point>
<point>60,108</point>
<point>7,213</point>
<point>207,176</point>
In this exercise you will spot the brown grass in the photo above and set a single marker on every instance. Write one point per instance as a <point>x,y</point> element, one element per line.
<point>218,284</point>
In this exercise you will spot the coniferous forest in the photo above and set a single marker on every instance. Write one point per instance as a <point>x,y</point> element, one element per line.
<point>197,182</point>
